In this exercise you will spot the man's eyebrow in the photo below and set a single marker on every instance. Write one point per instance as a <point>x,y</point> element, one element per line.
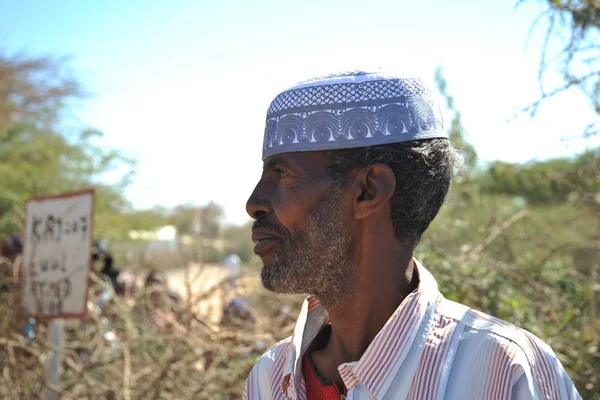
<point>274,161</point>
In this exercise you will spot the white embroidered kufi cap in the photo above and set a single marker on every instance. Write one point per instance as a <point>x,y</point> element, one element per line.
<point>354,109</point>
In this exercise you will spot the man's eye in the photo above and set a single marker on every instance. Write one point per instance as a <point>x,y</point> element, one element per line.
<point>281,173</point>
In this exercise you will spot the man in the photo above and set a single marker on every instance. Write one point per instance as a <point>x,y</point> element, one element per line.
<point>232,265</point>
<point>108,269</point>
<point>356,166</point>
<point>10,249</point>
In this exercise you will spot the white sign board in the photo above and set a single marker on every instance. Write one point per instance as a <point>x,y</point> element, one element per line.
<point>57,255</point>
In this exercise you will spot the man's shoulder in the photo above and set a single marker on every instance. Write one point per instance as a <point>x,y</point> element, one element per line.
<point>482,323</point>
<point>275,356</point>
<point>264,379</point>
<point>510,342</point>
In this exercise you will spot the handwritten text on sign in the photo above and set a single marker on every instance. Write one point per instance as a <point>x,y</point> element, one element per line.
<point>58,239</point>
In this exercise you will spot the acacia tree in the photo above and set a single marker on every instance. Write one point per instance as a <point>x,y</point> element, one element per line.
<point>38,154</point>
<point>456,129</point>
<point>573,26</point>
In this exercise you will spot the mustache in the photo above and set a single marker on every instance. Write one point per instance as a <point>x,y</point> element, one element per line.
<point>271,225</point>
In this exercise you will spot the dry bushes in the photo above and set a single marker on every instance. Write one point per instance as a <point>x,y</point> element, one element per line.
<point>163,351</point>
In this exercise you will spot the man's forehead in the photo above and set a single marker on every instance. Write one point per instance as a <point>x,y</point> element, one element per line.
<point>304,160</point>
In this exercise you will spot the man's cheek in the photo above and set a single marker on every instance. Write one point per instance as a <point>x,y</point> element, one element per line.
<point>287,225</point>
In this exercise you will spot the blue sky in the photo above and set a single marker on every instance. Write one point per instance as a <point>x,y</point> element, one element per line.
<point>183,86</point>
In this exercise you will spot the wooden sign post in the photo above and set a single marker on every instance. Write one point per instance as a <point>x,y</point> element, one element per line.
<point>56,263</point>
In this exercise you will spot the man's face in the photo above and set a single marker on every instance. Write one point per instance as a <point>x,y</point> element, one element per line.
<point>301,232</point>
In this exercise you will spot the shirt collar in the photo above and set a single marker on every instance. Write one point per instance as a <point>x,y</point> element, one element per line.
<point>384,356</point>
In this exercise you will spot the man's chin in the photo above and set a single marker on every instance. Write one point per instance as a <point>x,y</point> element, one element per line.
<point>269,281</point>
<point>272,280</point>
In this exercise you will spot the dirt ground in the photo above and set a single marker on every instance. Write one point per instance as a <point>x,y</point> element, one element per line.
<point>206,288</point>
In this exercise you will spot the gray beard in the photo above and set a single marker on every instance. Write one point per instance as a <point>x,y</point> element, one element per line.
<point>316,260</point>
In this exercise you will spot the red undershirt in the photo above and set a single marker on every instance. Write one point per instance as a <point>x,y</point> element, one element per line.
<point>318,388</point>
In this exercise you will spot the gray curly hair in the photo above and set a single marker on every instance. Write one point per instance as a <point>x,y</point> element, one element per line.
<point>424,170</point>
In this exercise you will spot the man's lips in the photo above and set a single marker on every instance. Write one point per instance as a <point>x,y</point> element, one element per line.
<point>263,241</point>
<point>264,245</point>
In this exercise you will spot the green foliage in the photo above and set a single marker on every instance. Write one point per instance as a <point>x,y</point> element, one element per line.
<point>547,182</point>
<point>36,156</point>
<point>517,250</point>
<point>456,130</point>
<point>114,223</point>
<point>522,242</point>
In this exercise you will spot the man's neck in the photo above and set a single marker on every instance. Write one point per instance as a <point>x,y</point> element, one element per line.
<point>380,286</point>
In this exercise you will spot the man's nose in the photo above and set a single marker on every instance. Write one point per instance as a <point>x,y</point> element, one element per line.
<point>258,204</point>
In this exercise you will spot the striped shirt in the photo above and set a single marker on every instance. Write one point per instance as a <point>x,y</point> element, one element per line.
<point>430,348</point>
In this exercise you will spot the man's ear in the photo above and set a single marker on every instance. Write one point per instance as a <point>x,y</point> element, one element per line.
<point>374,186</point>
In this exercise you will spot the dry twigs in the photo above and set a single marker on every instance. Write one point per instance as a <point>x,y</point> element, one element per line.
<point>164,350</point>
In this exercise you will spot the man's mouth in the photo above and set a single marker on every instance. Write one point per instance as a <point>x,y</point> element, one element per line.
<point>263,242</point>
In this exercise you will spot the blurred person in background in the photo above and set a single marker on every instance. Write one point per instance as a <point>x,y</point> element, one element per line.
<point>163,303</point>
<point>356,167</point>
<point>238,309</point>
<point>157,283</point>
<point>232,264</point>
<point>122,282</point>
<point>107,269</point>
<point>11,248</point>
